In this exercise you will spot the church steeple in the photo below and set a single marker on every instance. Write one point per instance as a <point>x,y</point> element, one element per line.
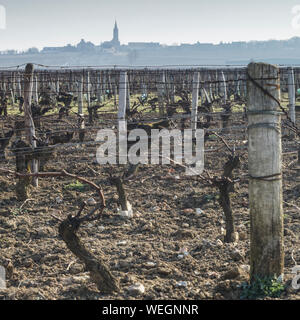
<point>116,33</point>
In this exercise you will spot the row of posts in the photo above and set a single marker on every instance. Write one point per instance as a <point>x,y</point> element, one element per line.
<point>265,156</point>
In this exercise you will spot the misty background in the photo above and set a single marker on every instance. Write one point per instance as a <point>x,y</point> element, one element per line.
<point>172,23</point>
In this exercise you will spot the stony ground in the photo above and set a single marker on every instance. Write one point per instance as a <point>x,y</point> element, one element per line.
<point>173,250</point>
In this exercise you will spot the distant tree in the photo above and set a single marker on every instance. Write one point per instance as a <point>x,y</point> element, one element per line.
<point>32,50</point>
<point>11,52</point>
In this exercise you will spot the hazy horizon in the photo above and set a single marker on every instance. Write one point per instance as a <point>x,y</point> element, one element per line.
<point>40,23</point>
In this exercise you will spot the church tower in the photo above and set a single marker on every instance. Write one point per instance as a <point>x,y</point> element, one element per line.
<point>115,39</point>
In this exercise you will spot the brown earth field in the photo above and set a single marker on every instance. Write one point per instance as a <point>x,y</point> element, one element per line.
<point>166,246</point>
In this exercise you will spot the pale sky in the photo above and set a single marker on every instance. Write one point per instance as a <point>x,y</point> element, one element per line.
<point>39,23</point>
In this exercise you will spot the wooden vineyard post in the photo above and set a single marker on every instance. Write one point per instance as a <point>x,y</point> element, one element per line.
<point>265,171</point>
<point>103,86</point>
<point>210,87</point>
<point>114,85</point>
<point>99,89</point>
<point>245,87</point>
<point>13,88</point>
<point>172,89</point>
<point>161,93</point>
<point>292,94</point>
<point>57,84</point>
<point>29,124</point>
<point>217,84</point>
<point>81,122</point>
<point>122,127</point>
<point>19,88</point>
<point>80,96</point>
<point>127,94</point>
<point>224,87</point>
<point>122,95</point>
<point>195,98</point>
<point>238,84</point>
<point>202,94</point>
<point>144,86</point>
<point>88,90</point>
<point>35,91</point>
<point>4,86</point>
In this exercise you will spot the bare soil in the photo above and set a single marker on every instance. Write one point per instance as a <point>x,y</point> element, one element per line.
<point>147,248</point>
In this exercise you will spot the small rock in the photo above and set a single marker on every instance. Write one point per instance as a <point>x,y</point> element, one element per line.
<point>58,200</point>
<point>182,284</point>
<point>213,275</point>
<point>37,257</point>
<point>185,225</point>
<point>101,228</point>
<point>136,290</point>
<point>138,214</point>
<point>150,264</point>
<point>188,211</point>
<point>75,279</point>
<point>184,234</point>
<point>236,237</point>
<point>199,212</point>
<point>164,271</point>
<point>245,268</point>
<point>91,202</point>
<point>234,273</point>
<point>184,251</point>
<point>127,278</point>
<point>236,255</point>
<point>124,264</point>
<point>219,243</point>
<point>122,243</point>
